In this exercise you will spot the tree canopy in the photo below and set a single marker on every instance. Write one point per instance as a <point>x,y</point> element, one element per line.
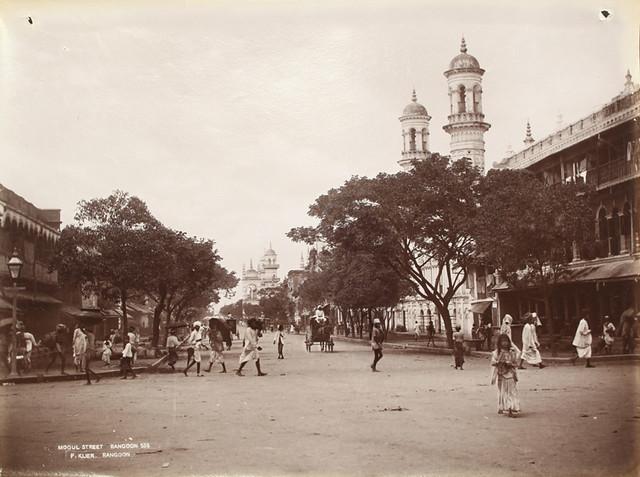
<point>527,229</point>
<point>121,250</point>
<point>418,223</point>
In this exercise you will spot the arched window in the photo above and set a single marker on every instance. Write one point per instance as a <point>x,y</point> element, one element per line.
<point>614,232</point>
<point>412,140</point>
<point>477,99</point>
<point>424,139</point>
<point>625,228</point>
<point>462,99</point>
<point>602,247</point>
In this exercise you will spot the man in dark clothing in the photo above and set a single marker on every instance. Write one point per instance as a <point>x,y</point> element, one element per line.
<point>377,337</point>
<point>57,347</point>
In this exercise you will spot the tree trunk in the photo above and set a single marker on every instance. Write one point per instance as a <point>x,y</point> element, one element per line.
<point>157,312</point>
<point>123,308</point>
<point>446,317</point>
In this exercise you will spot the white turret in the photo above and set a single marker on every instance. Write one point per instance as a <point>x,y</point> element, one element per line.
<point>415,132</point>
<point>466,120</point>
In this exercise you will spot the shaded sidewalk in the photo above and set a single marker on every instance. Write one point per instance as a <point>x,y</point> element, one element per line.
<point>564,357</point>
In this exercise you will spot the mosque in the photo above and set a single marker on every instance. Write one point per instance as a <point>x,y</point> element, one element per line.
<point>466,125</point>
<point>264,276</point>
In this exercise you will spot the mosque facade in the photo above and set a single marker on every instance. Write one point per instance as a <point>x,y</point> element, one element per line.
<point>263,276</point>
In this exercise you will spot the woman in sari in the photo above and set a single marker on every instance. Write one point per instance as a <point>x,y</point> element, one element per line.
<point>504,361</point>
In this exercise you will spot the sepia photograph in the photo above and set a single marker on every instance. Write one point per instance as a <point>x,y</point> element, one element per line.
<point>319,238</point>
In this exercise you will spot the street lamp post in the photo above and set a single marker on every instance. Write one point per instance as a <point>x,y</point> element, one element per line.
<point>15,268</point>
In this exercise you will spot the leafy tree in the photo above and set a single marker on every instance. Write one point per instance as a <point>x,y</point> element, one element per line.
<point>193,280</point>
<point>275,303</point>
<point>418,223</point>
<point>108,247</point>
<point>121,250</point>
<point>527,229</point>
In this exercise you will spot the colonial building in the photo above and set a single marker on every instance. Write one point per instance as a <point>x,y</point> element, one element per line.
<point>265,276</point>
<point>601,149</point>
<point>32,232</point>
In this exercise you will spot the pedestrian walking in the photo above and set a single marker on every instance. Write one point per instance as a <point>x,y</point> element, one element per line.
<point>582,340</point>
<point>431,334</point>
<point>416,330</point>
<point>458,348</point>
<point>107,351</point>
<point>505,329</point>
<point>530,344</point>
<point>217,340</point>
<point>172,348</point>
<point>377,336</point>
<point>608,335</point>
<point>279,339</point>
<point>87,354</point>
<point>251,347</point>
<point>28,342</point>
<point>134,340</point>
<point>195,345</point>
<point>57,344</point>
<point>78,343</point>
<point>628,319</point>
<point>126,362</point>
<point>488,334</point>
<point>504,361</point>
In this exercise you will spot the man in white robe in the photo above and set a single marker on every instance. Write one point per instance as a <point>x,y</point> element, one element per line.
<point>582,341</point>
<point>530,344</point>
<point>251,347</point>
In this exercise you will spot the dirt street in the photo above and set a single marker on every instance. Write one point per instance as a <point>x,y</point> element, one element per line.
<point>327,414</point>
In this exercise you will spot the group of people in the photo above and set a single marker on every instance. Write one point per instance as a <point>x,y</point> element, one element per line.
<point>507,359</point>
<point>430,332</point>
<point>213,339</point>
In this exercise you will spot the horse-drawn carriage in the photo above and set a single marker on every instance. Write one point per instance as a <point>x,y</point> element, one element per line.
<point>320,332</point>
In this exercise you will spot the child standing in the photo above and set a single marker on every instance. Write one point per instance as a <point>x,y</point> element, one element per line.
<point>280,340</point>
<point>106,352</point>
<point>504,361</point>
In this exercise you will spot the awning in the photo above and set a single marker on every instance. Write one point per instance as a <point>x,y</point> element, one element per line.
<point>92,316</point>
<point>38,297</point>
<point>480,306</point>
<point>610,271</point>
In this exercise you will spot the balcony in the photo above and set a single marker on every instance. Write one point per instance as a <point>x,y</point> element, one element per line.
<point>613,173</point>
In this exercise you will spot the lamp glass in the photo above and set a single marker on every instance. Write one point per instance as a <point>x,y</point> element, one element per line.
<point>15,266</point>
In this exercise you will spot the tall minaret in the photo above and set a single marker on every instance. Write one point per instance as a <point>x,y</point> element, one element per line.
<point>415,132</point>
<point>466,121</point>
<point>528,139</point>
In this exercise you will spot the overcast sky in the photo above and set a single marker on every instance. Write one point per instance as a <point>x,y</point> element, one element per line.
<point>230,118</point>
